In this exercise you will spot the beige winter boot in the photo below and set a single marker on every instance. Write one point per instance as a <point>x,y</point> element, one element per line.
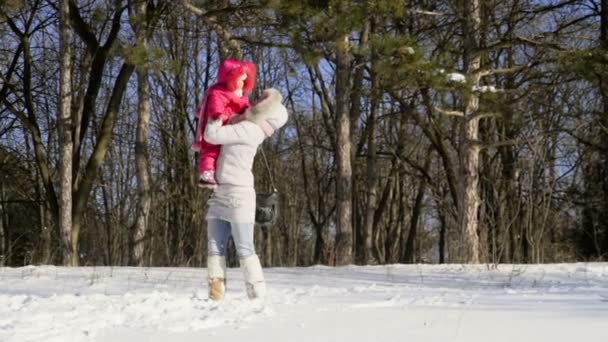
<point>216,277</point>
<point>254,278</point>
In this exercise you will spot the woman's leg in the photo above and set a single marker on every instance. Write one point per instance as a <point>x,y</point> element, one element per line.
<point>218,232</point>
<point>242,233</point>
<point>250,263</point>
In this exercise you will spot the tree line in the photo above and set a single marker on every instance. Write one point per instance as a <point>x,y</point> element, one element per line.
<point>420,131</point>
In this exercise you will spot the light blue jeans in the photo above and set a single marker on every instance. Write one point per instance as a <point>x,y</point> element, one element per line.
<point>219,231</point>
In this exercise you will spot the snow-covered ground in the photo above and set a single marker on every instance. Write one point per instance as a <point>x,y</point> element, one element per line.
<point>564,302</point>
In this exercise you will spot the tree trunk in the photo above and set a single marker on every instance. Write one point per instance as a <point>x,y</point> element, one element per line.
<point>408,256</point>
<point>343,155</point>
<point>268,245</point>
<point>141,144</point>
<point>103,141</point>
<point>372,186</point>
<point>443,230</point>
<point>372,175</point>
<point>108,222</point>
<point>470,145</point>
<point>3,234</point>
<point>67,146</point>
<point>355,112</point>
<point>46,241</point>
<point>319,250</point>
<point>603,207</point>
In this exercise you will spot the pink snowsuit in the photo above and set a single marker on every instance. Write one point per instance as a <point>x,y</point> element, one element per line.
<point>220,100</point>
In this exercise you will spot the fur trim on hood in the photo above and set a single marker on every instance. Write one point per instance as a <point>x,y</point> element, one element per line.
<point>269,113</point>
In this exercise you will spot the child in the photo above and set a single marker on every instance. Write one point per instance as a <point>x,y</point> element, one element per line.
<point>226,98</point>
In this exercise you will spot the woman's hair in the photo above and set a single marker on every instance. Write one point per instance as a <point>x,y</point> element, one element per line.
<point>230,71</point>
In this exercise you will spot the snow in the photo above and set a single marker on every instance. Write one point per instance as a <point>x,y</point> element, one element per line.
<point>485,89</point>
<point>456,77</point>
<point>408,50</point>
<point>560,302</point>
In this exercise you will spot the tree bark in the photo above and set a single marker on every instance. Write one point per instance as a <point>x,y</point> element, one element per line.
<point>141,142</point>
<point>470,145</point>
<point>3,235</point>
<point>372,185</point>
<point>344,236</point>
<point>443,231</point>
<point>67,145</point>
<point>604,139</point>
<point>408,256</point>
<point>46,237</point>
<point>356,95</point>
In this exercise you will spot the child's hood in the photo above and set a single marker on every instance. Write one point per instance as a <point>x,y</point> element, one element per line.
<point>230,70</point>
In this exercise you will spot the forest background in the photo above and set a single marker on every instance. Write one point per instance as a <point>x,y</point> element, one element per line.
<point>420,131</point>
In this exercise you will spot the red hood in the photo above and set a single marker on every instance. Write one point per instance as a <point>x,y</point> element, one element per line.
<point>230,70</point>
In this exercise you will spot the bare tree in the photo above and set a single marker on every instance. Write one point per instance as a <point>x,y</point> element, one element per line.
<point>67,146</point>
<point>3,235</point>
<point>470,147</point>
<point>140,17</point>
<point>384,160</point>
<point>344,172</point>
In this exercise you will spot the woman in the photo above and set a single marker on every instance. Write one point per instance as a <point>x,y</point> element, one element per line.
<point>232,205</point>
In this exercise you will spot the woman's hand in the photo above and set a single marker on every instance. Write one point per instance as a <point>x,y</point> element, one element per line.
<point>215,122</point>
<point>237,118</point>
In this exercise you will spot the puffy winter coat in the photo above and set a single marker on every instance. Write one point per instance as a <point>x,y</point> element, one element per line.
<point>220,98</point>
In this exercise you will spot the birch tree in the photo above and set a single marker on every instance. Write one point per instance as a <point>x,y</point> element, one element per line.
<point>140,18</point>
<point>65,127</point>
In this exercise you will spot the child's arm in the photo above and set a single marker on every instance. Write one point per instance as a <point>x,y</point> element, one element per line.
<point>242,115</point>
<point>216,104</point>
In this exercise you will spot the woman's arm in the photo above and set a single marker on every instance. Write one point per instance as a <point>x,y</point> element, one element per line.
<point>242,133</point>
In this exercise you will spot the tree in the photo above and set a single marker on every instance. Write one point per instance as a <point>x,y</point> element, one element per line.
<point>384,159</point>
<point>470,147</point>
<point>65,127</point>
<point>140,16</point>
<point>95,56</point>
<point>344,171</point>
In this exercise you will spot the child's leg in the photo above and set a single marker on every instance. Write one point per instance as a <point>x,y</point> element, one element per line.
<point>207,159</point>
<point>206,165</point>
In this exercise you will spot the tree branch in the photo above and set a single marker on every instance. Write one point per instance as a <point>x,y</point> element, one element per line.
<point>488,72</point>
<point>82,28</point>
<point>449,112</point>
<point>212,21</point>
<point>103,138</point>
<point>115,25</point>
<point>430,13</point>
